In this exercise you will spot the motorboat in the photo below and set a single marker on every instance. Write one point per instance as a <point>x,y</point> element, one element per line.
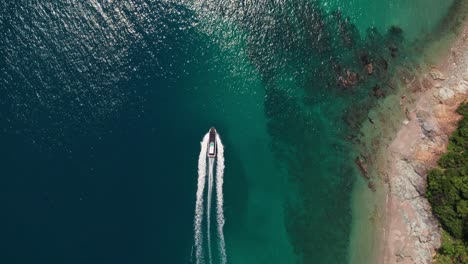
<point>211,152</point>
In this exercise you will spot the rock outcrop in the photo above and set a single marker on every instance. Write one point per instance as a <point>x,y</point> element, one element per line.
<point>412,233</point>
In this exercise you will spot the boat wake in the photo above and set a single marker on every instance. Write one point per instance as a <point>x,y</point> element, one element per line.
<point>220,199</point>
<point>208,206</point>
<point>199,235</point>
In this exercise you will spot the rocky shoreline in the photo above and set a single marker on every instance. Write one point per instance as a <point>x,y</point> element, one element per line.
<point>410,233</point>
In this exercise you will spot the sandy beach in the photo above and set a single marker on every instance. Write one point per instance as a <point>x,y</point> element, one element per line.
<point>409,232</point>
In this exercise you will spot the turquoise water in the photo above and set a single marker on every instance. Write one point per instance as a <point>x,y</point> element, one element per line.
<point>106,103</point>
<point>417,17</point>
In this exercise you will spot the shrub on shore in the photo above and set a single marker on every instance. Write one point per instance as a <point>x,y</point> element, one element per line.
<point>447,192</point>
<point>452,250</point>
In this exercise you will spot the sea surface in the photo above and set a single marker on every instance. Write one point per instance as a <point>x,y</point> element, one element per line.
<point>103,105</point>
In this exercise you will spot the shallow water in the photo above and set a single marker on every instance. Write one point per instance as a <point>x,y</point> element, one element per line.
<point>104,105</point>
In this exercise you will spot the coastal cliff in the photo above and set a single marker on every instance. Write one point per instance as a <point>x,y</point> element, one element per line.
<point>403,139</point>
<point>411,234</point>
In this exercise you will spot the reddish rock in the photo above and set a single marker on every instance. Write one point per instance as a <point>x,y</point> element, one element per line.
<point>427,84</point>
<point>415,86</point>
<point>370,68</point>
<point>349,79</point>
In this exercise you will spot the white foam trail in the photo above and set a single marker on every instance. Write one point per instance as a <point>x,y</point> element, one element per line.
<point>208,207</point>
<point>220,199</point>
<point>198,236</point>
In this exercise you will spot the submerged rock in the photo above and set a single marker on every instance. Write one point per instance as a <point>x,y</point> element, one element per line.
<point>393,51</point>
<point>349,80</point>
<point>362,167</point>
<point>372,186</point>
<point>370,68</point>
<point>378,92</point>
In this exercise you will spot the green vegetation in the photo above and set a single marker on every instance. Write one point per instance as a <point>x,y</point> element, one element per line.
<point>452,250</point>
<point>448,194</point>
